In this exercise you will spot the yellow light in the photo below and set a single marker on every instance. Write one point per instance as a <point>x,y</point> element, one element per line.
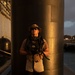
<point>4,3</point>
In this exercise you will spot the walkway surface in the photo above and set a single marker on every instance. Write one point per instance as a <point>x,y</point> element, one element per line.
<point>69,63</point>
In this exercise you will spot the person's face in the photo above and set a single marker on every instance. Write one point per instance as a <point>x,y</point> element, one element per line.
<point>35,32</point>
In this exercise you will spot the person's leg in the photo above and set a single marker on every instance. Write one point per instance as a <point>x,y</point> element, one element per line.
<point>29,73</point>
<point>38,73</point>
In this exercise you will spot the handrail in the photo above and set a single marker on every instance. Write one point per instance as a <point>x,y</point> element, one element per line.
<point>5,52</point>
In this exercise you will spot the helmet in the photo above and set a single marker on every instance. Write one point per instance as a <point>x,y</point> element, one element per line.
<point>33,26</point>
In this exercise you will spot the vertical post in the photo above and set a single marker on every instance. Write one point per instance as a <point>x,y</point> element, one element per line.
<point>49,15</point>
<point>53,29</point>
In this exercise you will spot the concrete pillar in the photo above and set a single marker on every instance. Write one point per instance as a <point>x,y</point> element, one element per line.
<point>49,15</point>
<point>54,24</point>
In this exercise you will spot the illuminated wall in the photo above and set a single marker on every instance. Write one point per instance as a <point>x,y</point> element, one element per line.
<point>5,27</point>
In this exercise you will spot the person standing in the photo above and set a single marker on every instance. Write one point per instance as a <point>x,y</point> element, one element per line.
<point>35,48</point>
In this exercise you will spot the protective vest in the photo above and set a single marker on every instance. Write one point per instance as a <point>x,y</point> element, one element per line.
<point>34,45</point>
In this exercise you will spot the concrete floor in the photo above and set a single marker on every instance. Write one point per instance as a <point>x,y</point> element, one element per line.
<point>69,63</point>
<point>68,71</point>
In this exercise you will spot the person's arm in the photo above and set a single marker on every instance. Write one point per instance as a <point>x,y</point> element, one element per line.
<point>22,49</point>
<point>46,49</point>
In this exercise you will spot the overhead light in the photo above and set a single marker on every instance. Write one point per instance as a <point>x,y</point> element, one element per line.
<point>4,3</point>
